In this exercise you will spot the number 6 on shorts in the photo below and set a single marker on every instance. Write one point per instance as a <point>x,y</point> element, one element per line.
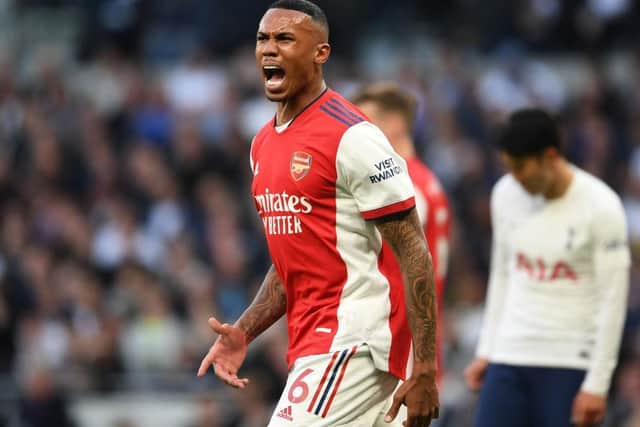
<point>296,396</point>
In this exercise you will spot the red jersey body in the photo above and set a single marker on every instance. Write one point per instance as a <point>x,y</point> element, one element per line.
<point>316,184</point>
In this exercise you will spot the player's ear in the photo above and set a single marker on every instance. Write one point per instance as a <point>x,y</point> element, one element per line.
<point>323,50</point>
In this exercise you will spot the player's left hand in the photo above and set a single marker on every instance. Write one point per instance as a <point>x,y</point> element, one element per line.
<point>420,394</point>
<point>588,409</point>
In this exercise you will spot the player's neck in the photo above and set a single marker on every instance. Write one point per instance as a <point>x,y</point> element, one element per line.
<point>564,176</point>
<point>291,107</point>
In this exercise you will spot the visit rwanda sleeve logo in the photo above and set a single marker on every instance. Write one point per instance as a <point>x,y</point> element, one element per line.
<point>385,169</point>
<point>300,165</point>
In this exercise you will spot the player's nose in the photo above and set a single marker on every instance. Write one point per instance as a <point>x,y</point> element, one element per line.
<point>269,47</point>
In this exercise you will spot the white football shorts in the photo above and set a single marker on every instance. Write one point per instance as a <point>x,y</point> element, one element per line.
<point>342,389</point>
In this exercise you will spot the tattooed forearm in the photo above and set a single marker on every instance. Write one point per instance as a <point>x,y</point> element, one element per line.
<point>404,235</point>
<point>269,305</point>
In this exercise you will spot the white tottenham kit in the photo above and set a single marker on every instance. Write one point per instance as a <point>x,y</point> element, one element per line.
<point>559,279</point>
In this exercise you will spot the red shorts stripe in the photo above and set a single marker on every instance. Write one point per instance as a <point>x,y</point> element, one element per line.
<point>322,381</point>
<point>335,389</point>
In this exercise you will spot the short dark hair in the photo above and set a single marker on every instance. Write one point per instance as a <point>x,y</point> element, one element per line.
<point>528,132</point>
<point>313,10</point>
<point>389,96</point>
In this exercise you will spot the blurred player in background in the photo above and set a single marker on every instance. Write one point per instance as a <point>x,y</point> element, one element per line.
<point>557,289</point>
<point>393,110</point>
<point>329,188</point>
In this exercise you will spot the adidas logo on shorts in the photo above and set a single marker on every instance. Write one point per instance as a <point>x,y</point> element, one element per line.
<point>286,413</point>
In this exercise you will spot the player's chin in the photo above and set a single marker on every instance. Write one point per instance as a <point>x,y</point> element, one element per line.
<point>531,189</point>
<point>535,190</point>
<point>275,96</point>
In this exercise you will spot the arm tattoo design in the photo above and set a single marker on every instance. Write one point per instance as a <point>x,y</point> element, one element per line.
<point>269,305</point>
<point>404,234</point>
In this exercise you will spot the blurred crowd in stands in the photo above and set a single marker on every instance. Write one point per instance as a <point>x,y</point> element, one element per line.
<point>126,220</point>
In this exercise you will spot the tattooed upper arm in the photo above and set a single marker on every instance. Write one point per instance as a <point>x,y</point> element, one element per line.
<point>403,232</point>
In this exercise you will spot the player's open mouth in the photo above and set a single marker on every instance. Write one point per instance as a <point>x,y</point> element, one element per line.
<point>274,76</point>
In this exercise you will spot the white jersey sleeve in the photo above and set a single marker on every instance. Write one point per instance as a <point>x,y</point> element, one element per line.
<point>373,173</point>
<point>498,279</point>
<point>251,154</point>
<point>611,262</point>
<point>422,207</point>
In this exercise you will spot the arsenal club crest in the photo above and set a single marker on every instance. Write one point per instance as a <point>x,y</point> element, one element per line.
<point>300,165</point>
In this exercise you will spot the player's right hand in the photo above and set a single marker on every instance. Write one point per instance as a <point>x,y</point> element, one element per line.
<point>474,374</point>
<point>588,409</point>
<point>226,354</point>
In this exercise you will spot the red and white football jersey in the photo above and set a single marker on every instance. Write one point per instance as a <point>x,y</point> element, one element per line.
<point>315,185</point>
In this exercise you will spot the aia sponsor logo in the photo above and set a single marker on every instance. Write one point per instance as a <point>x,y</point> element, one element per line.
<point>286,413</point>
<point>299,165</point>
<point>537,269</point>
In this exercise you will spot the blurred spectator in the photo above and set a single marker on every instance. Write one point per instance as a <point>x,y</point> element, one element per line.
<point>152,341</point>
<point>106,82</point>
<point>256,410</point>
<point>193,285</point>
<point>514,81</point>
<point>11,110</point>
<point>626,410</point>
<point>120,237</point>
<point>16,303</point>
<point>452,154</point>
<point>42,405</point>
<point>210,413</point>
<point>92,330</point>
<point>197,86</point>
<point>199,89</point>
<point>149,113</point>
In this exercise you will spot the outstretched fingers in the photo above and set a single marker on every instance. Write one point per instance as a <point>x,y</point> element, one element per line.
<point>204,365</point>
<point>230,377</point>
<point>223,371</point>
<point>209,359</point>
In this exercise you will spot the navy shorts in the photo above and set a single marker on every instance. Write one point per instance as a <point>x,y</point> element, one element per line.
<point>524,396</point>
